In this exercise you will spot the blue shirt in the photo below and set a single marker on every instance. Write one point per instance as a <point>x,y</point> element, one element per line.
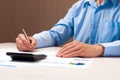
<point>87,23</point>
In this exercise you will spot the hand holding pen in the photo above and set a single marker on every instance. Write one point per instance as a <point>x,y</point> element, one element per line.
<point>25,43</point>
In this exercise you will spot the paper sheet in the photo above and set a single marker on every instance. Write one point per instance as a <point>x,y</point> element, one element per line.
<point>51,60</point>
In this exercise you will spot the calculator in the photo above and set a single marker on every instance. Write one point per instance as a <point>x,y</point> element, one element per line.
<point>21,56</point>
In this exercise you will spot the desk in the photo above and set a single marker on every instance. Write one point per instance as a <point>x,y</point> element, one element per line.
<point>100,69</point>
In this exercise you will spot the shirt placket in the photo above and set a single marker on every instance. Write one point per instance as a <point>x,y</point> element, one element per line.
<point>94,27</point>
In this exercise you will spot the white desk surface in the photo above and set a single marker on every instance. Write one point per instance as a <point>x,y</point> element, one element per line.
<point>100,69</point>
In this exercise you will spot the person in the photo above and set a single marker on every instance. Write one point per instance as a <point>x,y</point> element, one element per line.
<point>94,26</point>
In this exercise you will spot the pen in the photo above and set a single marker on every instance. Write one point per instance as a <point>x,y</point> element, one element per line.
<point>25,34</point>
<point>78,63</point>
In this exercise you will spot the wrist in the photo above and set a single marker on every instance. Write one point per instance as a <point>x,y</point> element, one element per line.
<point>100,50</point>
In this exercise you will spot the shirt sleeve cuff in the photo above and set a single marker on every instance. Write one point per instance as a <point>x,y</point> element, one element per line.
<point>111,49</point>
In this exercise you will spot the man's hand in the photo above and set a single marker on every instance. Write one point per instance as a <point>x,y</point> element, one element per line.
<point>78,49</point>
<point>24,45</point>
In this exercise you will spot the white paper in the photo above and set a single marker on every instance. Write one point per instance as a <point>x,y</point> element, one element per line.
<point>51,60</point>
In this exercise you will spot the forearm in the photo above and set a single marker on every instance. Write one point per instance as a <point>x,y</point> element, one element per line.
<point>43,39</point>
<point>53,37</point>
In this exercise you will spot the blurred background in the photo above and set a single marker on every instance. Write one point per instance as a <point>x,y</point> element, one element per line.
<point>32,15</point>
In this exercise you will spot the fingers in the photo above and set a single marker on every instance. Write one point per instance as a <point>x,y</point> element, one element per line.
<point>23,44</point>
<point>32,41</point>
<point>72,54</point>
<point>67,46</point>
<point>69,49</point>
<point>24,41</point>
<point>19,44</point>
